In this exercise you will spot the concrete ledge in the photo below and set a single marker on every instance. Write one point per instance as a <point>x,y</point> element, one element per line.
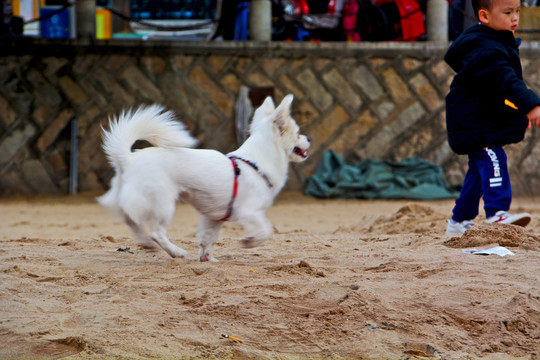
<point>25,46</point>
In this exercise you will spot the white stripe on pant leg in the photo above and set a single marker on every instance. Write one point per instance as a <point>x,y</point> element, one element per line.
<point>494,182</point>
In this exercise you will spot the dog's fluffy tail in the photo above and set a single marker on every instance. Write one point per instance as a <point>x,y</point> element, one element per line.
<point>151,123</point>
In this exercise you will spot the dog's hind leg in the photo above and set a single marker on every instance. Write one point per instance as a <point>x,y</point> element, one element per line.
<point>158,214</point>
<point>207,234</point>
<point>144,240</point>
<point>159,235</point>
<point>258,228</point>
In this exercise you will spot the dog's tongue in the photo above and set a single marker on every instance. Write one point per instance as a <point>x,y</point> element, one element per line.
<point>300,152</point>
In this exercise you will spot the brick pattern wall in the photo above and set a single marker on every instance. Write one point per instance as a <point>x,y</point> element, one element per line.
<point>362,100</point>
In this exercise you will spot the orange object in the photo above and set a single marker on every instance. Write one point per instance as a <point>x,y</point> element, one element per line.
<point>511,104</point>
<point>16,7</point>
<point>103,24</point>
<point>232,338</point>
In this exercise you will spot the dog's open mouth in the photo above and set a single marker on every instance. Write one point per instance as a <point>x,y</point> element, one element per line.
<point>300,152</point>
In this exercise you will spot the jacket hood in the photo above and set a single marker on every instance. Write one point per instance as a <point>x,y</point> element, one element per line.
<point>472,38</point>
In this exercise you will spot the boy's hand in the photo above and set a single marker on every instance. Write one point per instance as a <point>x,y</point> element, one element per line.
<point>534,115</point>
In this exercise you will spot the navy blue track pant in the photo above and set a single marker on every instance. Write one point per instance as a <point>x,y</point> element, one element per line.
<point>487,177</point>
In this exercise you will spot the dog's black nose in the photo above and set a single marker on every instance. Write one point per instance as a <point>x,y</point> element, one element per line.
<point>308,139</point>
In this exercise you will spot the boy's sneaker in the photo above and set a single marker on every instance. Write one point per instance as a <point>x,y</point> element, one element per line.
<point>502,217</point>
<point>458,228</point>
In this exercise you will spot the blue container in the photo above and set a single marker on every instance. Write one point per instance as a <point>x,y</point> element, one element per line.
<point>57,26</point>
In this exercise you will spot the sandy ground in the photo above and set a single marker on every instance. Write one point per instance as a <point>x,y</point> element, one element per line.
<point>340,279</point>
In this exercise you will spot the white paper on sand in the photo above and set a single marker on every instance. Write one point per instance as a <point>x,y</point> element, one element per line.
<point>497,250</point>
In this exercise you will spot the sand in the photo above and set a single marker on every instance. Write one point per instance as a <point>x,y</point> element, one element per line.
<point>340,279</point>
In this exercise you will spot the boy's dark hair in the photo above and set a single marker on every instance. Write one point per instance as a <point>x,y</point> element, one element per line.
<point>481,4</point>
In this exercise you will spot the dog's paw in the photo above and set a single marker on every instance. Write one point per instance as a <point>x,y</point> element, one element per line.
<point>178,253</point>
<point>148,248</point>
<point>251,242</point>
<point>207,257</point>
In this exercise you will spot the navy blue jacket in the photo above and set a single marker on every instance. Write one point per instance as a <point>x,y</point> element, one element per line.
<point>488,73</point>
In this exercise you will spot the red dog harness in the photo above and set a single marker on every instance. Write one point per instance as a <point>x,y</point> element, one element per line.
<point>235,185</point>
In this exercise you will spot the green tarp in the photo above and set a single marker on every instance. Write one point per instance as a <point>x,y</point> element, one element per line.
<point>411,178</point>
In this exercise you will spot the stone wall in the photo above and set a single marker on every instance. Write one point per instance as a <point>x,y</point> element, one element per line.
<point>381,100</point>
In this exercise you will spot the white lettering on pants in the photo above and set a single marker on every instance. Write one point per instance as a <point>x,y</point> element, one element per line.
<point>496,180</point>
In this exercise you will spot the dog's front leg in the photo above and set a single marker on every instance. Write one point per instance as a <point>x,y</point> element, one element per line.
<point>258,228</point>
<point>208,234</point>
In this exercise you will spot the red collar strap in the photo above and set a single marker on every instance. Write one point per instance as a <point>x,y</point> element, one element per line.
<point>235,186</point>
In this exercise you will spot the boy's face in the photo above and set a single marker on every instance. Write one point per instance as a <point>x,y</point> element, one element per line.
<point>503,15</point>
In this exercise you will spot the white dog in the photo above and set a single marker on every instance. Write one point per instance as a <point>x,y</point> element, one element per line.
<point>239,186</point>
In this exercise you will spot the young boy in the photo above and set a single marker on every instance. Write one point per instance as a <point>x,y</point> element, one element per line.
<point>488,106</point>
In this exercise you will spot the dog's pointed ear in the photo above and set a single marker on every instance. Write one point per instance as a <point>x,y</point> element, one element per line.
<point>282,113</point>
<point>267,106</point>
<point>268,102</point>
<point>266,109</point>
